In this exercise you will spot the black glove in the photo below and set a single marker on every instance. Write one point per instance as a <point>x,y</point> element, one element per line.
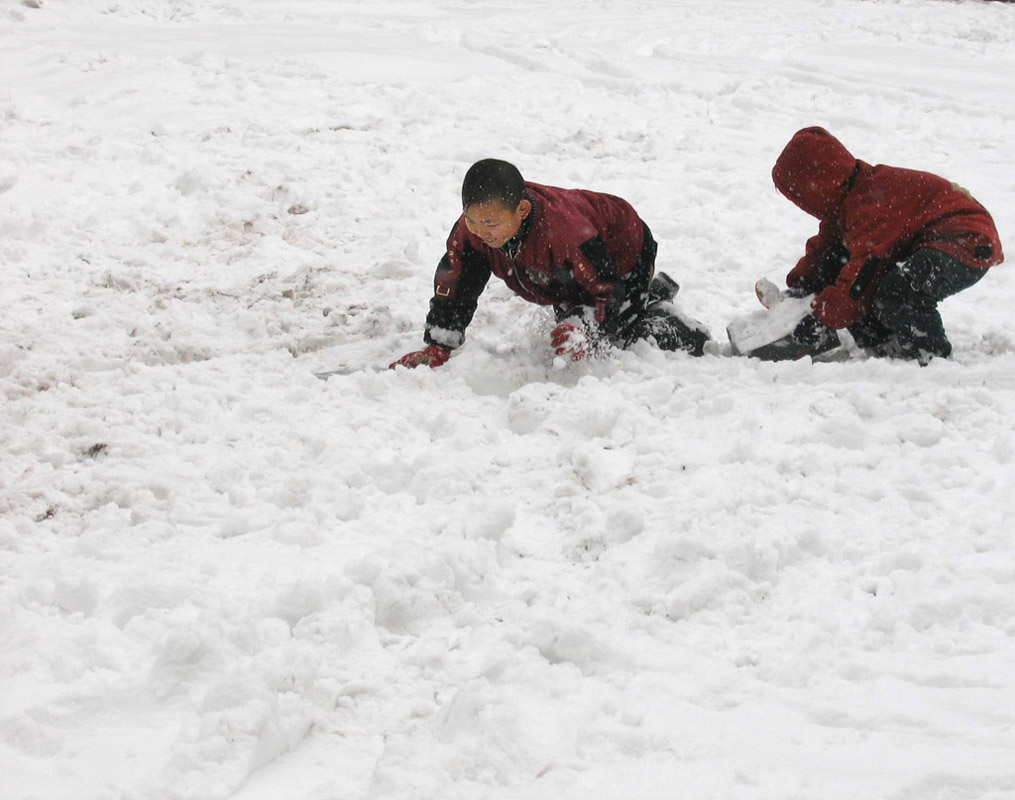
<point>808,331</point>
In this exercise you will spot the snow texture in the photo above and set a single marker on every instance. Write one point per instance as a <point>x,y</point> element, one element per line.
<point>642,575</point>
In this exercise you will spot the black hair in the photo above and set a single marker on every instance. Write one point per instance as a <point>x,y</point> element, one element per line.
<point>491,179</point>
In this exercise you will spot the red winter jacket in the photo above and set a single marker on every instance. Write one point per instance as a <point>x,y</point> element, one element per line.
<point>576,248</point>
<point>881,214</point>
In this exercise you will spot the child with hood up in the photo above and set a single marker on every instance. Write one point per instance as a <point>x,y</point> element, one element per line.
<point>892,243</point>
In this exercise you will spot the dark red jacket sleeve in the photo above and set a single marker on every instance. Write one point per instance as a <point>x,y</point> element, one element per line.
<point>805,274</point>
<point>461,276</point>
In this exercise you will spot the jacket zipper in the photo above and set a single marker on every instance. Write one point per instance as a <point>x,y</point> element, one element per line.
<point>511,256</point>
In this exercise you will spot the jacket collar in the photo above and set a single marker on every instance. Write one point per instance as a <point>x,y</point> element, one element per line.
<point>514,244</point>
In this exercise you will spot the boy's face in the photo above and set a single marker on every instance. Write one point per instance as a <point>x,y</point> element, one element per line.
<point>494,222</point>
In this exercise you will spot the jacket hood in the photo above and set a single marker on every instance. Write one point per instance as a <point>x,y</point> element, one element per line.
<point>815,172</point>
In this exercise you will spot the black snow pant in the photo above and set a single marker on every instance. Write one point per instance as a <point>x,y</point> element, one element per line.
<point>906,301</point>
<point>904,321</point>
<point>646,311</point>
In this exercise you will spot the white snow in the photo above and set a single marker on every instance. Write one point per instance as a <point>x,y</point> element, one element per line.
<point>766,325</point>
<point>640,576</point>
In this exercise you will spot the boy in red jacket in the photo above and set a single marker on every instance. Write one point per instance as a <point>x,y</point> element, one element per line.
<point>586,254</point>
<point>891,245</point>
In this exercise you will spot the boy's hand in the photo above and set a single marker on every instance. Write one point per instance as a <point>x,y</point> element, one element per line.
<point>835,308</point>
<point>808,331</point>
<point>570,340</point>
<point>433,356</point>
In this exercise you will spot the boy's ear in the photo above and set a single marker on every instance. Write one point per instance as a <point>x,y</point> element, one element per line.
<point>525,208</point>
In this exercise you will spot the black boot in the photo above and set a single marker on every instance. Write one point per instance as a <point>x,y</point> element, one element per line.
<point>670,332</point>
<point>875,338</point>
<point>906,301</point>
<point>662,289</point>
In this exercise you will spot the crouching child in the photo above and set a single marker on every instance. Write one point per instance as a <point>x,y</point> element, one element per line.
<point>586,254</point>
<point>892,243</point>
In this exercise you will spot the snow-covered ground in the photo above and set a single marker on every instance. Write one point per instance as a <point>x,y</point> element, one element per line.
<point>646,576</point>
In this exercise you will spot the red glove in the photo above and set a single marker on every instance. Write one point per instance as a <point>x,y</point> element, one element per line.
<point>433,356</point>
<point>570,340</point>
<point>835,308</point>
